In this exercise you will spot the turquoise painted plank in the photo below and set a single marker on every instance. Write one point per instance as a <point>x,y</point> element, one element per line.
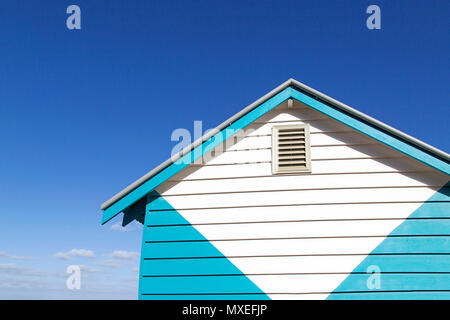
<point>425,227</point>
<point>442,194</point>
<point>156,202</point>
<point>203,249</point>
<point>182,249</point>
<point>206,297</point>
<point>391,282</point>
<point>231,284</point>
<point>436,210</point>
<point>196,285</point>
<point>427,244</point>
<point>182,285</point>
<point>432,205</point>
<point>413,227</point>
<point>406,263</point>
<point>373,132</point>
<point>184,161</point>
<point>391,296</point>
<point>186,267</point>
<point>167,217</point>
<point>205,266</point>
<point>175,233</point>
<point>433,226</point>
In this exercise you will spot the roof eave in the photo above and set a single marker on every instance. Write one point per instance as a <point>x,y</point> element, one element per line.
<point>289,83</point>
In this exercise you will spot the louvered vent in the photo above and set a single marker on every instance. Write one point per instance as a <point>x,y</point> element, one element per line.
<point>290,149</point>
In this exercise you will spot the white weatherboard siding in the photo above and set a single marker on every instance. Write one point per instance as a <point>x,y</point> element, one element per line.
<point>298,213</point>
<point>305,182</point>
<point>278,229</point>
<point>294,229</point>
<point>302,197</point>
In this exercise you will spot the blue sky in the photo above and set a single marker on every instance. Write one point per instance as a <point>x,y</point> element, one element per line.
<point>83,113</point>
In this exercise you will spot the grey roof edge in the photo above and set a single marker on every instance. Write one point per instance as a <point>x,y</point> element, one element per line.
<point>289,83</point>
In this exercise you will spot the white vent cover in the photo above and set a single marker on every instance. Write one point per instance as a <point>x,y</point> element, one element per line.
<point>290,149</point>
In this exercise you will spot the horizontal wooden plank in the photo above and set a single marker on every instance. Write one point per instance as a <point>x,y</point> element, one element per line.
<point>296,264</point>
<point>393,282</point>
<point>299,213</point>
<point>317,154</point>
<point>147,296</point>
<point>315,125</point>
<point>373,295</point>
<point>297,247</point>
<point>293,230</point>
<point>316,139</point>
<point>196,285</point>
<point>317,167</point>
<point>296,182</point>
<point>289,283</point>
<point>381,295</point>
<point>289,197</point>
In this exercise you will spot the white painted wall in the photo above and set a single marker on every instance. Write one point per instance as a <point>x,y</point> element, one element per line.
<point>234,196</point>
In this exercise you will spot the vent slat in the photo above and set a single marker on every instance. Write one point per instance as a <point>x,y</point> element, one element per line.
<point>291,140</point>
<point>284,160</point>
<point>300,147</point>
<point>282,131</point>
<point>293,161</point>
<point>291,150</point>
<point>294,134</point>
<point>297,150</point>
<point>292,154</point>
<point>292,144</point>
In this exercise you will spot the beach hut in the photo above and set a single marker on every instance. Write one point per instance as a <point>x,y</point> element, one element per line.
<point>297,196</point>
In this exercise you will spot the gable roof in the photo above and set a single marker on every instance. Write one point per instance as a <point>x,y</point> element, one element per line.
<point>290,89</point>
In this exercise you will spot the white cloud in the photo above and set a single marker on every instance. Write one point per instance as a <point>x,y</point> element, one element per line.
<point>11,283</point>
<point>87,269</point>
<point>16,270</point>
<point>109,263</point>
<point>4,254</point>
<point>124,255</point>
<point>74,253</point>
<point>130,279</point>
<point>23,282</point>
<point>130,227</point>
<point>118,227</point>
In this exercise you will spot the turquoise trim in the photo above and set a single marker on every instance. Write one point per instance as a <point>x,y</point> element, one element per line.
<point>168,271</point>
<point>190,157</point>
<point>373,132</point>
<point>244,121</point>
<point>422,275</point>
